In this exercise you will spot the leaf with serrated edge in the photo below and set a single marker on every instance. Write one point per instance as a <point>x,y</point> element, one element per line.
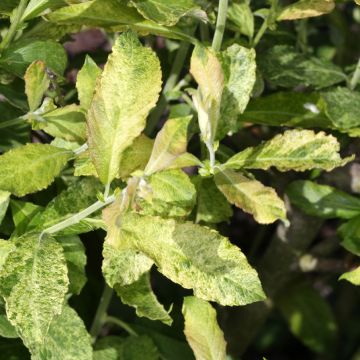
<point>36,83</point>
<point>140,295</point>
<point>193,256</point>
<point>167,12</point>
<point>33,283</point>
<point>306,8</point>
<point>67,339</point>
<point>297,150</point>
<point>170,144</point>
<point>202,330</point>
<point>352,276</point>
<point>251,196</point>
<point>86,82</point>
<point>125,93</point>
<point>31,168</point>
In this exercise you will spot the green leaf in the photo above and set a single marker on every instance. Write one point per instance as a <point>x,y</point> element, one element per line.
<point>168,194</point>
<point>309,316</point>
<point>297,150</point>
<point>34,283</point>
<point>6,247</point>
<point>136,156</point>
<point>251,196</point>
<point>350,233</point>
<point>208,73</point>
<point>67,339</point>
<point>36,7</point>
<point>202,330</point>
<point>36,83</point>
<point>86,82</point>
<point>306,8</point>
<point>282,66</point>
<point>31,168</point>
<point>352,276</point>
<point>78,196</point>
<point>323,201</point>
<point>21,54</point>
<point>131,348</point>
<point>241,18</point>
<point>6,329</point>
<point>239,68</point>
<point>140,295</point>
<point>191,255</point>
<point>22,214</point>
<point>212,206</point>
<point>7,6</point>
<point>167,12</point>
<point>170,144</point>
<point>4,203</point>
<point>66,123</point>
<point>127,90</point>
<point>341,107</point>
<point>84,166</point>
<point>75,256</point>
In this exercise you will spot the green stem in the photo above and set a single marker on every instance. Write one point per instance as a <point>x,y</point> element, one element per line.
<point>15,23</point>
<point>122,324</point>
<point>78,217</point>
<point>11,122</point>
<point>356,77</point>
<point>220,25</point>
<point>260,34</point>
<point>211,150</point>
<point>100,316</point>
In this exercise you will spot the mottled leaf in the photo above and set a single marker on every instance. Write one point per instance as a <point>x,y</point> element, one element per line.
<point>4,203</point>
<point>6,329</point>
<point>127,90</point>
<point>297,150</point>
<point>170,144</point>
<point>251,196</point>
<point>140,296</point>
<point>31,168</point>
<point>306,8</point>
<point>86,82</point>
<point>202,330</point>
<point>34,282</point>
<point>193,256</point>
<point>36,83</point>
<point>322,200</point>
<point>241,18</point>
<point>84,166</point>
<point>309,316</point>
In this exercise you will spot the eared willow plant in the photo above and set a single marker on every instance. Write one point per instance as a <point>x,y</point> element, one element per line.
<point>119,179</point>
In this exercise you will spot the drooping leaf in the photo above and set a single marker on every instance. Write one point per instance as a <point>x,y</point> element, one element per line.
<point>34,283</point>
<point>75,198</point>
<point>211,206</point>
<point>167,12</point>
<point>66,123</point>
<point>251,196</point>
<point>241,18</point>
<point>282,66</point>
<point>202,330</point>
<point>21,54</point>
<point>86,82</point>
<point>167,193</point>
<point>4,203</point>
<point>193,256</point>
<point>136,156</point>
<point>323,201</point>
<point>306,8</point>
<point>208,73</point>
<point>36,83</point>
<point>239,68</point>
<point>140,295</point>
<point>131,348</point>
<point>75,256</point>
<point>67,338</point>
<point>352,276</point>
<point>31,168</point>
<point>297,150</point>
<point>350,233</point>
<point>127,90</point>
<point>170,144</point>
<point>309,316</point>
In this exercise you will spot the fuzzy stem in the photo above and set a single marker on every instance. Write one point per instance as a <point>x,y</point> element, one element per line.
<point>260,34</point>
<point>100,316</point>
<point>220,25</point>
<point>356,77</point>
